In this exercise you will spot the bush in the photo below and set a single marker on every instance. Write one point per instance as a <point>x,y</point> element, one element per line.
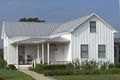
<point>11,67</point>
<point>104,65</point>
<point>69,66</point>
<point>39,67</point>
<point>3,63</point>
<point>89,64</point>
<point>54,67</point>
<point>110,66</point>
<point>57,72</point>
<point>76,63</point>
<point>117,65</point>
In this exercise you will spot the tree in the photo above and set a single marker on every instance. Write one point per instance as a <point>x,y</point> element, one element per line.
<point>1,53</point>
<point>31,20</point>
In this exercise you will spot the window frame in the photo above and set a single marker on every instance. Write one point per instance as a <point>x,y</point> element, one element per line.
<point>85,51</point>
<point>91,27</point>
<point>102,51</point>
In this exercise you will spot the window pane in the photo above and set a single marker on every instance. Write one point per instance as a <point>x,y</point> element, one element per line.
<point>84,47</point>
<point>84,55</point>
<point>101,47</point>
<point>101,51</point>
<point>92,23</point>
<point>101,55</point>
<point>84,51</point>
<point>92,26</point>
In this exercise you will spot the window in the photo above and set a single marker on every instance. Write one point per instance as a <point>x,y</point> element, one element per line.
<point>101,51</point>
<point>84,51</point>
<point>92,26</point>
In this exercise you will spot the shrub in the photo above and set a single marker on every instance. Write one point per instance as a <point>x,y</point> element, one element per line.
<point>110,66</point>
<point>57,72</point>
<point>54,67</point>
<point>104,65</point>
<point>11,67</point>
<point>89,64</point>
<point>117,65</point>
<point>39,67</point>
<point>3,63</point>
<point>76,63</point>
<point>70,66</point>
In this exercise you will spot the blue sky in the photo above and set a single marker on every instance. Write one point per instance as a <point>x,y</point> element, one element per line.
<point>59,10</point>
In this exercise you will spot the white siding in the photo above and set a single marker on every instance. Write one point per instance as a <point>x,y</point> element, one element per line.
<point>104,35</point>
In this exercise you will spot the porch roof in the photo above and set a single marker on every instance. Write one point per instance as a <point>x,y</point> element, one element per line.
<point>43,40</point>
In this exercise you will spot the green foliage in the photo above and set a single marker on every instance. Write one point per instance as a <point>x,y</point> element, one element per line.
<point>42,67</point>
<point>104,65</point>
<point>110,66</point>
<point>57,72</point>
<point>1,53</point>
<point>76,63</point>
<point>89,64</point>
<point>69,66</point>
<point>31,20</point>
<point>3,63</point>
<point>117,65</point>
<point>11,67</point>
<point>54,67</point>
<point>39,67</point>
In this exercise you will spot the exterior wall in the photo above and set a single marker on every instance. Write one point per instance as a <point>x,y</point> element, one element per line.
<point>68,47</point>
<point>104,35</point>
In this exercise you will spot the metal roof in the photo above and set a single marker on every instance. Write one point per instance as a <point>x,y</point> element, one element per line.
<point>41,40</point>
<point>29,28</point>
<point>71,25</point>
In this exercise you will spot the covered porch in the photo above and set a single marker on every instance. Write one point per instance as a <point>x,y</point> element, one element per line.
<point>49,51</point>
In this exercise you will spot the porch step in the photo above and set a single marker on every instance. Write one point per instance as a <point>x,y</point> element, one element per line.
<point>24,66</point>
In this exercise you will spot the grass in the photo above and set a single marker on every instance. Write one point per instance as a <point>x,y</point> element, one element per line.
<point>89,77</point>
<point>13,75</point>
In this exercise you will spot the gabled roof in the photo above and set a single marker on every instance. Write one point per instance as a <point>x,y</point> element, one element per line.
<point>71,25</point>
<point>36,29</point>
<point>29,28</point>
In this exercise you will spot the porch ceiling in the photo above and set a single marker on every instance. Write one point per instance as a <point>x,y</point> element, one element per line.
<point>43,40</point>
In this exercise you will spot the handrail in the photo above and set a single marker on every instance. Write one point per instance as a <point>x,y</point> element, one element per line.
<point>35,61</point>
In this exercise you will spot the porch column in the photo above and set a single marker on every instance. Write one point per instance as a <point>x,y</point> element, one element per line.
<point>42,53</point>
<point>17,56</point>
<point>38,55</point>
<point>48,53</point>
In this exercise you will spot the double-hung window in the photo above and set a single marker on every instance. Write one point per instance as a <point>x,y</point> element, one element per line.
<point>101,51</point>
<point>92,26</point>
<point>84,51</point>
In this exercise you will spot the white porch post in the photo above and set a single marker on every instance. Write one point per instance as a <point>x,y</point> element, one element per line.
<point>42,53</point>
<point>48,53</point>
<point>38,55</point>
<point>17,56</point>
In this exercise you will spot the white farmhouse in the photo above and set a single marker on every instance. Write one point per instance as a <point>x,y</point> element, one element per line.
<point>86,38</point>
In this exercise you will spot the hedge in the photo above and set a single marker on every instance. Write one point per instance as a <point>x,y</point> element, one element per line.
<point>3,63</point>
<point>81,72</point>
<point>42,67</point>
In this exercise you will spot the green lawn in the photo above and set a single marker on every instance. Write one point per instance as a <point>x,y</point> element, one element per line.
<point>89,77</point>
<point>13,75</point>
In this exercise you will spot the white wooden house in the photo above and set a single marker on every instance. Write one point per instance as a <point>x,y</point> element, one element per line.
<point>86,38</point>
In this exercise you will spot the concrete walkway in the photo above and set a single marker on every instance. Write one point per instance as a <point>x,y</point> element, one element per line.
<point>35,75</point>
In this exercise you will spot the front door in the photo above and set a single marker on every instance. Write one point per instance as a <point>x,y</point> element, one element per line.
<point>21,54</point>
